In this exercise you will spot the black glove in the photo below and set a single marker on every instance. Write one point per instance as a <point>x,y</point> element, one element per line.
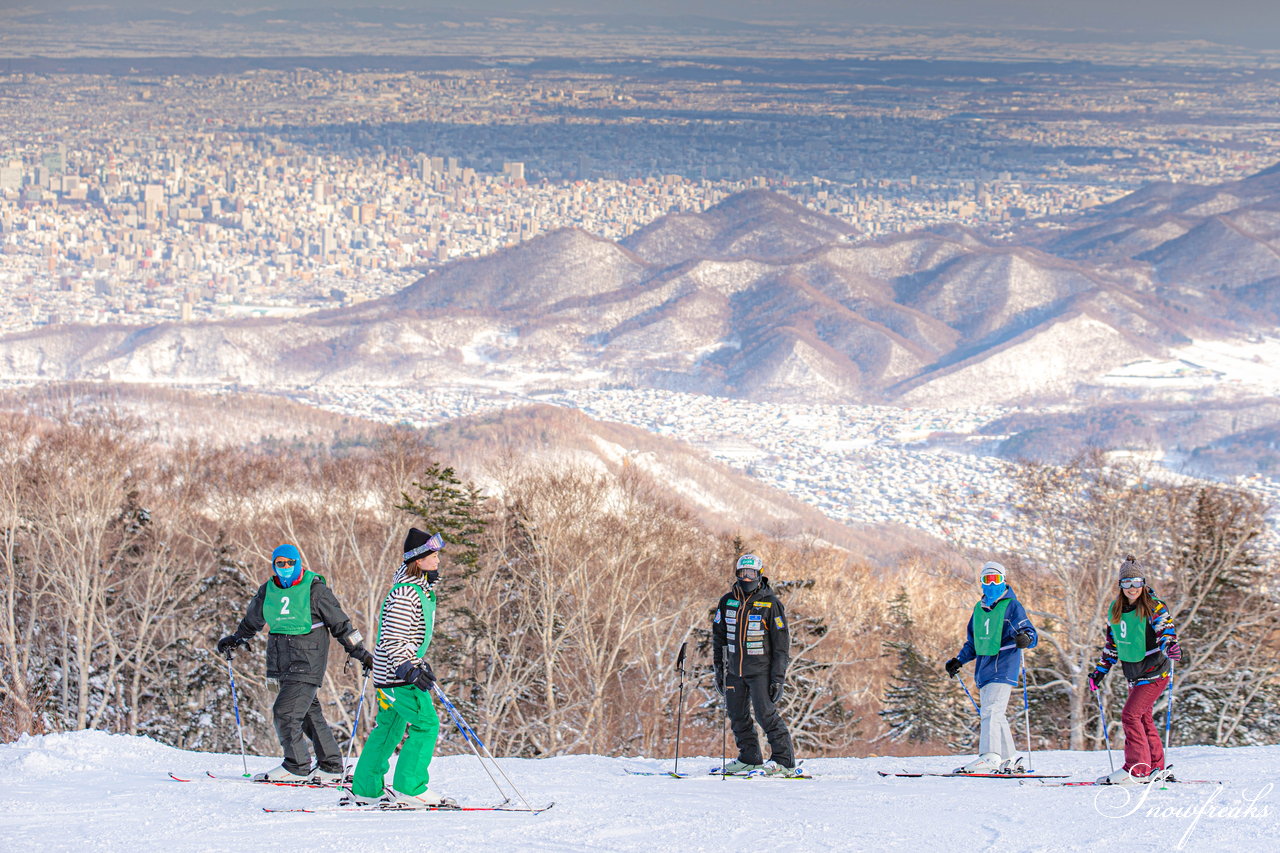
<point>363,655</point>
<point>230,643</point>
<point>1174,652</point>
<point>417,674</point>
<point>1022,639</point>
<point>775,692</point>
<point>1095,679</point>
<point>953,666</point>
<point>720,680</point>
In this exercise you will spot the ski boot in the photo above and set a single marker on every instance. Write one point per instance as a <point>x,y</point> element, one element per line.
<point>1119,777</point>
<point>428,799</point>
<point>325,777</point>
<point>988,762</point>
<point>1015,766</point>
<point>740,768</point>
<point>349,798</point>
<point>280,774</point>
<point>773,769</point>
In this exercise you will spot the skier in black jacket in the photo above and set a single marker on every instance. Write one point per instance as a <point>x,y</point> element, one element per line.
<point>302,611</point>
<point>751,648</point>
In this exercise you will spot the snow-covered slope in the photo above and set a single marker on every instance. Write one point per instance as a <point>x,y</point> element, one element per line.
<point>93,791</point>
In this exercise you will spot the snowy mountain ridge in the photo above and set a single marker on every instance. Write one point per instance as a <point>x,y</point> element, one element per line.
<point>760,298</point>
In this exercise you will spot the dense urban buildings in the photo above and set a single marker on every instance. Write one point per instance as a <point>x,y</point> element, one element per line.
<point>137,197</point>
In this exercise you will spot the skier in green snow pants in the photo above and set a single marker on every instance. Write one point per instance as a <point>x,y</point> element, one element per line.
<point>403,681</point>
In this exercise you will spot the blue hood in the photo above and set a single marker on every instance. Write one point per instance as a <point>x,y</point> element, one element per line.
<point>287,577</point>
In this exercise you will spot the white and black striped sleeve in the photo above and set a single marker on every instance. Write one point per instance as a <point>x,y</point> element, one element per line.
<point>402,633</point>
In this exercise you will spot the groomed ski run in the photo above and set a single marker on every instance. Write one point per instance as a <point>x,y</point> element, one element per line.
<point>94,791</point>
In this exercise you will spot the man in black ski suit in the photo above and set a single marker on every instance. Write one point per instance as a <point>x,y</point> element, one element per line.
<point>302,612</point>
<point>751,648</point>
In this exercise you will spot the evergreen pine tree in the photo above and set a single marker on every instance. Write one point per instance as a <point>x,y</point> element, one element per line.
<point>453,508</point>
<point>917,707</point>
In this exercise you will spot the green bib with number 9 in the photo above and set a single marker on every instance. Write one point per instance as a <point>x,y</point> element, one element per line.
<point>988,628</point>
<point>1130,634</point>
<point>288,611</point>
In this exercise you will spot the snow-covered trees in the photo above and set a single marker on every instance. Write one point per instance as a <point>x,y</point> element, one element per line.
<point>567,592</point>
<point>920,705</point>
<point>1198,542</point>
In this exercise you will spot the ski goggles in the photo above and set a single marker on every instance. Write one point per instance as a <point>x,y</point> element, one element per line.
<point>992,577</point>
<point>747,573</point>
<point>432,545</point>
<point>1132,583</point>
<point>284,563</point>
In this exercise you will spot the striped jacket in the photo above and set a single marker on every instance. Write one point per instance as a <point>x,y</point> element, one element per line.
<point>402,629</point>
<point>1160,633</point>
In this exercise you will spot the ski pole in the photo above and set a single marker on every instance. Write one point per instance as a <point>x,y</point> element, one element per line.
<point>356,722</point>
<point>465,730</point>
<point>235,703</point>
<point>976,710</point>
<point>724,733</point>
<point>472,738</point>
<point>1106,736</point>
<point>680,707</point>
<point>1168,714</point>
<point>1026,714</point>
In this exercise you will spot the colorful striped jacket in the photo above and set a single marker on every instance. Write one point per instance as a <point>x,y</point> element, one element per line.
<point>1160,633</point>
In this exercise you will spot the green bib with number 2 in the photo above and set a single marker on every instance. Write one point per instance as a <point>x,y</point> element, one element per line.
<point>288,611</point>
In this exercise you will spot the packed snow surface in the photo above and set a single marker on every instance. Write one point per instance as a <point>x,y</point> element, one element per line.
<point>94,791</point>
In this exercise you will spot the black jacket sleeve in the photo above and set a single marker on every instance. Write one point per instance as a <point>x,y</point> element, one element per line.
<point>325,608</point>
<point>719,637</point>
<point>253,620</point>
<point>779,642</point>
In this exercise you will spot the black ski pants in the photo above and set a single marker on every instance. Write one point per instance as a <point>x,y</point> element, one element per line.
<point>740,696</point>
<point>296,713</point>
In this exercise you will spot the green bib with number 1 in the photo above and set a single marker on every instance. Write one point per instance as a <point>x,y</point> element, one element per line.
<point>288,611</point>
<point>988,628</point>
<point>1130,634</point>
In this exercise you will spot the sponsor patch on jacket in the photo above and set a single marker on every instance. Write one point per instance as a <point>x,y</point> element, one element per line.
<point>716,618</point>
<point>777,621</point>
<point>754,617</point>
<point>762,604</point>
<point>733,602</point>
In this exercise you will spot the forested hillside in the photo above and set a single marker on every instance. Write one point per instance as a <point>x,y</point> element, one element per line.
<point>568,590</point>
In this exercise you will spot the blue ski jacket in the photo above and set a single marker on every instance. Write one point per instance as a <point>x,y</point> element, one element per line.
<point>1002,667</point>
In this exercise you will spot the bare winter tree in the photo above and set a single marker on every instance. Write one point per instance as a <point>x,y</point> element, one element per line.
<point>1197,540</point>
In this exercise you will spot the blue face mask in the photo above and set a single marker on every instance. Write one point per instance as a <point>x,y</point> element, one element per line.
<point>286,562</point>
<point>991,592</point>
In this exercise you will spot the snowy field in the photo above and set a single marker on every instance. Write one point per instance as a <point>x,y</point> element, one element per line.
<point>94,791</point>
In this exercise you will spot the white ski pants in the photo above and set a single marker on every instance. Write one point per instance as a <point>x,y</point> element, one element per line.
<point>995,735</point>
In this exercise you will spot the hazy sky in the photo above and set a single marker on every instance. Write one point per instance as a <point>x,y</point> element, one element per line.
<point>1252,21</point>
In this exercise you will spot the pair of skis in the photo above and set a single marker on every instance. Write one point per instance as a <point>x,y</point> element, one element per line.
<point>209,776</point>
<point>392,807</point>
<point>716,772</point>
<point>1159,778</point>
<point>1037,779</point>
<point>908,775</point>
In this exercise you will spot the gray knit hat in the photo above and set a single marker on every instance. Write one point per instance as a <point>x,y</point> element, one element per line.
<point>1131,568</point>
<point>992,566</point>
